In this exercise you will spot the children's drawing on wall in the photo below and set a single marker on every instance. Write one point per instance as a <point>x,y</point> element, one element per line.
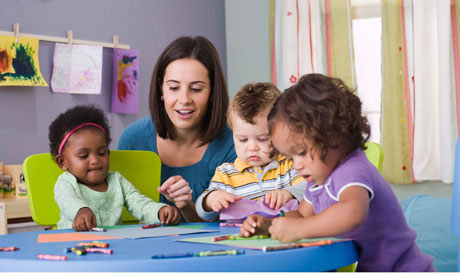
<point>125,84</point>
<point>77,69</point>
<point>19,62</point>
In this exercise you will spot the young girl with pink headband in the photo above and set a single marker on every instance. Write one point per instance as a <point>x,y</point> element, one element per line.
<point>87,193</point>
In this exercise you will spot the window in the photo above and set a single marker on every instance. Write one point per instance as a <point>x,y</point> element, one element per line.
<point>367,26</point>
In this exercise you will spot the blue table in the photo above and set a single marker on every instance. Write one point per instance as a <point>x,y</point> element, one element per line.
<point>135,255</point>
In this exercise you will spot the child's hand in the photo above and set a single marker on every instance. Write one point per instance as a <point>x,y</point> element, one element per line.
<point>177,190</point>
<point>216,200</point>
<point>84,220</point>
<point>169,215</point>
<point>276,199</point>
<point>255,225</point>
<point>284,229</point>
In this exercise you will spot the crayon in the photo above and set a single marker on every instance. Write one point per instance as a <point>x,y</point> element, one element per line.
<point>99,229</point>
<point>255,237</point>
<point>296,245</point>
<point>173,255</point>
<point>219,253</point>
<point>150,226</point>
<point>280,247</point>
<point>79,250</point>
<point>317,243</point>
<point>221,238</point>
<point>281,213</point>
<point>228,224</point>
<point>9,248</point>
<point>99,250</point>
<point>94,244</point>
<point>52,257</point>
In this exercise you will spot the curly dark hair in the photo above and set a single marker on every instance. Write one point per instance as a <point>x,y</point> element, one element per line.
<point>252,100</point>
<point>70,119</point>
<point>325,111</point>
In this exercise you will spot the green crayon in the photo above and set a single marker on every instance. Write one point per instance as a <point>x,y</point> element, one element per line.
<point>255,237</point>
<point>219,253</point>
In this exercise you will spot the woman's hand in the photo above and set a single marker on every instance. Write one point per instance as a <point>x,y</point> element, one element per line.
<point>169,215</point>
<point>84,220</point>
<point>276,199</point>
<point>255,225</point>
<point>217,200</point>
<point>177,190</point>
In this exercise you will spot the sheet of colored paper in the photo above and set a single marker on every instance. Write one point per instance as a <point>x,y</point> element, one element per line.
<point>245,207</point>
<point>74,236</point>
<point>77,69</point>
<point>125,83</point>
<point>19,62</point>
<point>249,243</point>
<point>138,232</point>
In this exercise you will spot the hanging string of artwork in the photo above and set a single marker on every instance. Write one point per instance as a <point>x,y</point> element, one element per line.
<point>77,66</point>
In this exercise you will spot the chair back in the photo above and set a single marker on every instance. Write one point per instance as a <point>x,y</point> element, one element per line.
<point>455,213</point>
<point>374,153</point>
<point>455,217</point>
<point>141,168</point>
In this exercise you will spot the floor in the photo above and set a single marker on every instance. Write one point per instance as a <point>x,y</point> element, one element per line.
<point>432,188</point>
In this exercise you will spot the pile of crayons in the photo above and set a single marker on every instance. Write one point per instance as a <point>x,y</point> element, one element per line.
<point>200,254</point>
<point>81,249</point>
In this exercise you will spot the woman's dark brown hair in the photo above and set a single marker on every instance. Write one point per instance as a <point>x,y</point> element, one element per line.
<point>325,111</point>
<point>201,49</point>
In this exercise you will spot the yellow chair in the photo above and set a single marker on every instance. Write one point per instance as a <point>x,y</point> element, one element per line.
<point>374,153</point>
<point>141,168</point>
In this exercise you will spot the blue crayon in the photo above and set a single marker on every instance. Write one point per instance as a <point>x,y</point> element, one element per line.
<point>173,255</point>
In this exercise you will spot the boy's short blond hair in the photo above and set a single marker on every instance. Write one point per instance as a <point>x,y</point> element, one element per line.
<point>251,100</point>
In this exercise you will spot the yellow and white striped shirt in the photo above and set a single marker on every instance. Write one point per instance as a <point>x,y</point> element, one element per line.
<point>241,179</point>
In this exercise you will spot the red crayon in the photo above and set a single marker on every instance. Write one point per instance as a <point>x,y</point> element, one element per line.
<point>150,226</point>
<point>221,238</point>
<point>9,248</point>
<point>52,257</point>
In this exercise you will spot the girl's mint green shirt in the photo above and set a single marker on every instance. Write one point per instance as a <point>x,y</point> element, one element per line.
<point>107,206</point>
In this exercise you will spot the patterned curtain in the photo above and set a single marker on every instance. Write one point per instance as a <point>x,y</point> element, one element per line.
<point>311,36</point>
<point>418,115</point>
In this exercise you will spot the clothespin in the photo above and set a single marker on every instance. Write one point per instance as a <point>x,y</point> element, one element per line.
<point>70,37</point>
<point>115,41</point>
<point>16,31</point>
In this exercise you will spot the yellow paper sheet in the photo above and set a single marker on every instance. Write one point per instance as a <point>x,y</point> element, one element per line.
<point>19,64</point>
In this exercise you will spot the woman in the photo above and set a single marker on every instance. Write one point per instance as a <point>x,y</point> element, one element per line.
<point>187,128</point>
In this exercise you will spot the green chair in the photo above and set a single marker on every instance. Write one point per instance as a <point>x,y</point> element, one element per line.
<point>141,168</point>
<point>374,153</point>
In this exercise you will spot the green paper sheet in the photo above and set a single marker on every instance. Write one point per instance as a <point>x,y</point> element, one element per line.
<point>250,243</point>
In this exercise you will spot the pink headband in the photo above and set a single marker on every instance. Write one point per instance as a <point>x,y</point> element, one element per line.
<point>67,136</point>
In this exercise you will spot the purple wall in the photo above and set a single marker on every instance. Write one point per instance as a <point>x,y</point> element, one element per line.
<point>146,25</point>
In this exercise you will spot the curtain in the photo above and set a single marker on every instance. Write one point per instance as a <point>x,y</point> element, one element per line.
<point>311,36</point>
<point>418,96</point>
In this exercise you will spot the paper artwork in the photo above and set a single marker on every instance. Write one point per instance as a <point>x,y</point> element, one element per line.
<point>77,69</point>
<point>239,210</point>
<point>125,81</point>
<point>19,62</point>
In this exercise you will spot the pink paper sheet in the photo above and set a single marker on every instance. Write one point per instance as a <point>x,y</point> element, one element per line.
<point>245,207</point>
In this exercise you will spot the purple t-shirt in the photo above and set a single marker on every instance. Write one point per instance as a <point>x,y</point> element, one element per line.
<point>385,241</point>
